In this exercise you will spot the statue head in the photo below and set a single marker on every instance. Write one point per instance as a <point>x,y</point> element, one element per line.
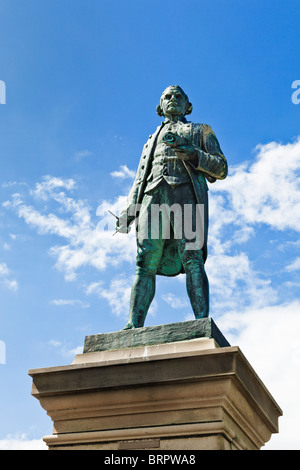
<point>174,102</point>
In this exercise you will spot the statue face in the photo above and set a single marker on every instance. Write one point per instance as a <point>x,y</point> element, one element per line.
<point>173,102</point>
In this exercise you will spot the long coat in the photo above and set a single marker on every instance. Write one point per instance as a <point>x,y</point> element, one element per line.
<point>211,165</point>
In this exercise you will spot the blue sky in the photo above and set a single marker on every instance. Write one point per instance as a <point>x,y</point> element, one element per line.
<point>83,78</point>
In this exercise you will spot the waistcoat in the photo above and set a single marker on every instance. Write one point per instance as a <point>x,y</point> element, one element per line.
<point>165,164</point>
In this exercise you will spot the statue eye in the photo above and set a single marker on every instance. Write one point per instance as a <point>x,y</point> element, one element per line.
<point>167,97</point>
<point>178,97</point>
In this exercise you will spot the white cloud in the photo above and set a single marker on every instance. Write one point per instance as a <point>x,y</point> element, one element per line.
<point>268,190</point>
<point>117,294</point>
<point>21,442</point>
<point>83,154</point>
<point>54,342</point>
<point>50,183</point>
<point>6,279</point>
<point>265,192</point>
<point>123,173</point>
<point>74,351</point>
<point>294,266</point>
<point>4,271</point>
<point>65,349</point>
<point>70,302</point>
<point>87,242</point>
<point>10,184</point>
<point>234,283</point>
<point>11,284</point>
<point>173,301</point>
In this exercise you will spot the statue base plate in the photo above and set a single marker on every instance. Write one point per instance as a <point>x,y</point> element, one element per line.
<point>160,334</point>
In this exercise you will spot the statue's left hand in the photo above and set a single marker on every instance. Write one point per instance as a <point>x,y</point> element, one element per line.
<point>186,152</point>
<point>182,147</point>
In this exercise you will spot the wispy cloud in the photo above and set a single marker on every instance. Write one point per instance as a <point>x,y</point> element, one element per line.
<point>234,282</point>
<point>81,154</point>
<point>70,302</point>
<point>173,301</point>
<point>123,173</point>
<point>10,184</point>
<point>21,441</point>
<point>294,266</point>
<point>45,189</point>
<point>65,349</point>
<point>6,278</point>
<point>87,241</point>
<point>117,293</point>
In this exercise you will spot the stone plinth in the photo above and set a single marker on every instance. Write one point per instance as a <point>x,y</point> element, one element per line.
<point>181,395</point>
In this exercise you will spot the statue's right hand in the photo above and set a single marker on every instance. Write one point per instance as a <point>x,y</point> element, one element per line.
<point>123,223</point>
<point>122,228</point>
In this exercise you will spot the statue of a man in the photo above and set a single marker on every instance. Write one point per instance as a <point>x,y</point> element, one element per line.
<point>175,163</point>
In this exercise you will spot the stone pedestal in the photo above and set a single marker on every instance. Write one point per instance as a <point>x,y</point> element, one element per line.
<point>183,394</point>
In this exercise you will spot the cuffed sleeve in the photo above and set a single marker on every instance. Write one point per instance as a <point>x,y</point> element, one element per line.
<point>210,156</point>
<point>213,165</point>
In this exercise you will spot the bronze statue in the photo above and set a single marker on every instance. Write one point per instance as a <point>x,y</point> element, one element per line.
<point>175,163</point>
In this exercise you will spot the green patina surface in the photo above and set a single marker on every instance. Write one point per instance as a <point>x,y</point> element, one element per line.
<point>152,335</point>
<point>175,163</point>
